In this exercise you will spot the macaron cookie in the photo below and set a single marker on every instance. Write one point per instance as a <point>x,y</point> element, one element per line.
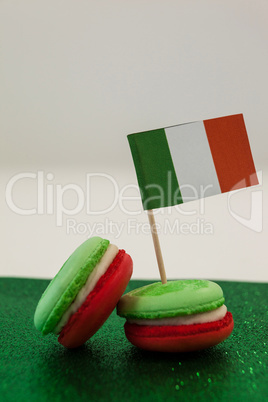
<point>84,292</point>
<point>179,316</point>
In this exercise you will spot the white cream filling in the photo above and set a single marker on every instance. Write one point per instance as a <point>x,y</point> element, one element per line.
<point>208,316</point>
<point>92,280</point>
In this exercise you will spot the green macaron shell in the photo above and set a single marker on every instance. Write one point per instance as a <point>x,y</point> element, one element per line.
<point>63,289</point>
<point>175,298</point>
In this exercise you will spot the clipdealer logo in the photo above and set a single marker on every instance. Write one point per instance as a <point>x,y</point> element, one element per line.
<point>51,199</point>
<point>255,219</point>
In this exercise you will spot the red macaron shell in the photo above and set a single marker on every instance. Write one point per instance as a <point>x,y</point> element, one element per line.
<point>180,338</point>
<point>99,304</point>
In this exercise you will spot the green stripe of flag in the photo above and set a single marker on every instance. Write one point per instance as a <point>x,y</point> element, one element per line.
<point>155,171</point>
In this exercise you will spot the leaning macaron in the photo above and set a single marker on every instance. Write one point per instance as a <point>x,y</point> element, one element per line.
<point>84,292</point>
<point>179,316</point>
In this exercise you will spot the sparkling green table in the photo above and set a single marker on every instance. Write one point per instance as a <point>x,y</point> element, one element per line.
<point>109,368</point>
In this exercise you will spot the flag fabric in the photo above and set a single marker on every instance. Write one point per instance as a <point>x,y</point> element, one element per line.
<point>191,161</point>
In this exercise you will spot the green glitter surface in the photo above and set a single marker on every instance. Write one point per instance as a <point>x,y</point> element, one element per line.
<point>108,367</point>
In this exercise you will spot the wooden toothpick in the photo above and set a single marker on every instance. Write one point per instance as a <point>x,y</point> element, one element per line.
<point>157,248</point>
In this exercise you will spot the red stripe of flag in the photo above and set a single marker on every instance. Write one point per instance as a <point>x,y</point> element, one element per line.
<point>230,149</point>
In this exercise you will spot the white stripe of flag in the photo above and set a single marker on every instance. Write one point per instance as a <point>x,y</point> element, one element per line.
<point>192,160</point>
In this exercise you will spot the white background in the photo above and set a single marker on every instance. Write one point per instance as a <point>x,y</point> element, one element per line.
<point>77,76</point>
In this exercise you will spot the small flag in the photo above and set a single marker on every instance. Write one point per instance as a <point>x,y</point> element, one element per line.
<point>191,161</point>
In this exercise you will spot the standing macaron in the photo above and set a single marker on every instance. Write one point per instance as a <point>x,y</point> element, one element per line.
<point>84,292</point>
<point>179,316</point>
